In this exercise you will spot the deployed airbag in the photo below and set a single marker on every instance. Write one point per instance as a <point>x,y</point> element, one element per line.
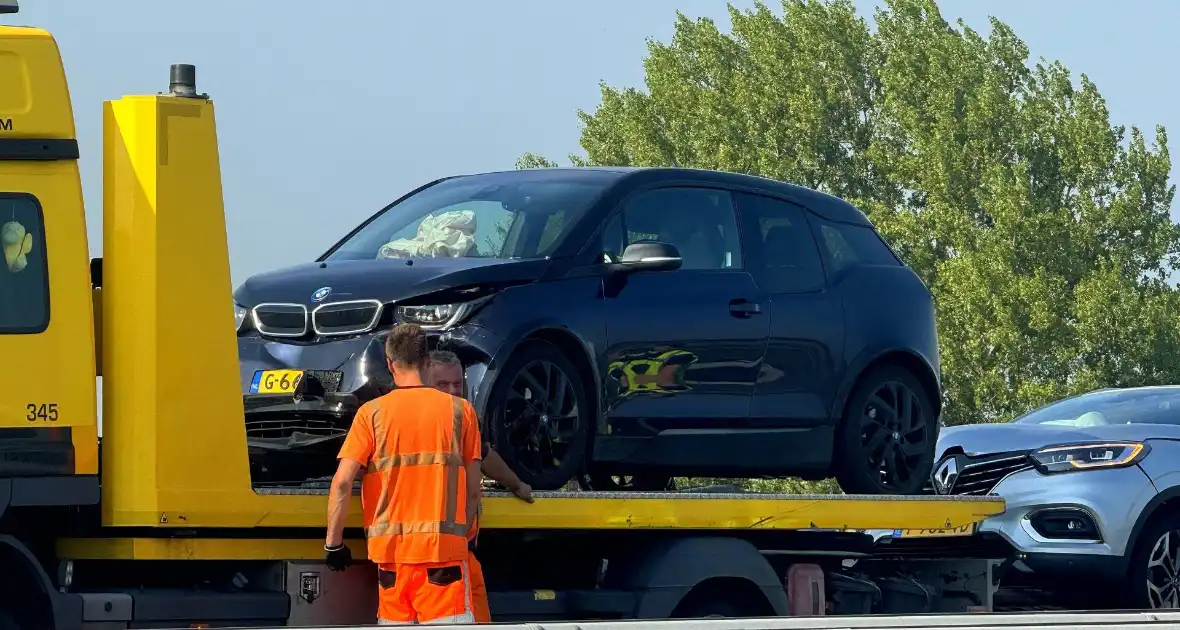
<point>446,235</point>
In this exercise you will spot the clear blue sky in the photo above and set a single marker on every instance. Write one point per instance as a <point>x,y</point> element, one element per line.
<point>328,110</point>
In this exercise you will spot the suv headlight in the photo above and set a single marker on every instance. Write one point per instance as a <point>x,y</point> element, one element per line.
<point>240,313</point>
<point>1070,457</point>
<point>438,316</point>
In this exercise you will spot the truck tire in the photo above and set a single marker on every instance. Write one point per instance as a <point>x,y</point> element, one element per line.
<point>723,603</point>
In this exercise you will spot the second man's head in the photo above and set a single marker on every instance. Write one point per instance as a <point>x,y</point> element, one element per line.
<point>445,372</point>
<point>409,360</point>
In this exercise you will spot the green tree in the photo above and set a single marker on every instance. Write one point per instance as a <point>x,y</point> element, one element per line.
<point>1042,229</point>
<point>532,160</point>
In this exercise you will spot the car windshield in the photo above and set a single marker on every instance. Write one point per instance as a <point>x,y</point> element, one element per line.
<point>516,214</point>
<point>1127,406</point>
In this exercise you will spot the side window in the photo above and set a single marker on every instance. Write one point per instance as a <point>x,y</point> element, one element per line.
<point>613,239</point>
<point>790,259</point>
<point>848,245</point>
<point>24,278</point>
<point>699,222</point>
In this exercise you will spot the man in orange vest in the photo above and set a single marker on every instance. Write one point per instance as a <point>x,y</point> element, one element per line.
<point>446,374</point>
<point>418,450</point>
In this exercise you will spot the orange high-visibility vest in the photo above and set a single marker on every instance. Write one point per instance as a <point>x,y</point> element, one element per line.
<point>414,490</point>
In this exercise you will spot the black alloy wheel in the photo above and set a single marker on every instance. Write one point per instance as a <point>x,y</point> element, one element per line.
<point>539,411</point>
<point>887,436</point>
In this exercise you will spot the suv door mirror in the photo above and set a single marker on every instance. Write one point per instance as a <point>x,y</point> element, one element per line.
<point>650,256</point>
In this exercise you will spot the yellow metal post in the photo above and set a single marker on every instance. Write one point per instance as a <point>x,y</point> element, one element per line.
<point>174,441</point>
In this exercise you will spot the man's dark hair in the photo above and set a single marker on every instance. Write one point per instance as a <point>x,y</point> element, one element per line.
<point>406,346</point>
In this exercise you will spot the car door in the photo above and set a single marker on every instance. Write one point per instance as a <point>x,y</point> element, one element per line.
<point>798,379</point>
<point>683,345</point>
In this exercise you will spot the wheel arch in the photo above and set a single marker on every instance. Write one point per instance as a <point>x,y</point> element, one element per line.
<point>733,588</point>
<point>1165,503</point>
<point>667,574</point>
<point>26,583</point>
<point>565,340</point>
<point>901,357</point>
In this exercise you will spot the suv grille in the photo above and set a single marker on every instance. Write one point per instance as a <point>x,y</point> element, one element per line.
<point>281,320</point>
<point>346,318</point>
<point>980,475</point>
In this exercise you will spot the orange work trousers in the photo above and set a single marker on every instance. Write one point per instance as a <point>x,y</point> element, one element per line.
<point>437,593</point>
<point>479,592</point>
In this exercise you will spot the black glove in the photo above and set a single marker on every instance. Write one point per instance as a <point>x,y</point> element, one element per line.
<point>338,558</point>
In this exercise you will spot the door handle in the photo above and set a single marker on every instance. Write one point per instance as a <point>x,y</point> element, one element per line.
<point>744,308</point>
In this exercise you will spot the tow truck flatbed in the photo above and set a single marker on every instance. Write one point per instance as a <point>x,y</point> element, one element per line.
<point>716,510</point>
<point>569,555</point>
<point>925,516</point>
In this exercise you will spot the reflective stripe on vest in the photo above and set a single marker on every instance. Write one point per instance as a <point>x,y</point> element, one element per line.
<point>383,463</point>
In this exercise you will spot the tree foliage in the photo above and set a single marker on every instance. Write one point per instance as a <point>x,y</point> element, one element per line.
<point>1042,229</point>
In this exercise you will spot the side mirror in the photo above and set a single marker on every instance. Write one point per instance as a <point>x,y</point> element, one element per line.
<point>650,256</point>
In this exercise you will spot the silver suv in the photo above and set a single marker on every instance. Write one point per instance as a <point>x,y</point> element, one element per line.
<point>1091,485</point>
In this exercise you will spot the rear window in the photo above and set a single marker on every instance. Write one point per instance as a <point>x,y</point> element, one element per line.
<point>24,277</point>
<point>849,245</point>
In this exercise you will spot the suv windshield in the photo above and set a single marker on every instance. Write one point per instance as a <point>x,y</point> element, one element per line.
<point>516,214</point>
<point>1135,406</point>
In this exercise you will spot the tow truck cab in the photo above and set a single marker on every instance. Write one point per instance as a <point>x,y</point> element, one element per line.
<point>48,416</point>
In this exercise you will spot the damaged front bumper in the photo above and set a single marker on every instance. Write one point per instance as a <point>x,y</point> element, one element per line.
<point>294,438</point>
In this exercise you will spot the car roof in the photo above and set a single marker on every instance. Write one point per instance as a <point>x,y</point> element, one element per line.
<point>1146,389</point>
<point>827,206</point>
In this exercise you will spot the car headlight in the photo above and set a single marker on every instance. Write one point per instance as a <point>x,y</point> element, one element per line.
<point>240,313</point>
<point>1070,457</point>
<point>437,316</point>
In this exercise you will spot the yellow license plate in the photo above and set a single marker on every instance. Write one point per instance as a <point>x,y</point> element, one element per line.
<point>965,530</point>
<point>275,381</point>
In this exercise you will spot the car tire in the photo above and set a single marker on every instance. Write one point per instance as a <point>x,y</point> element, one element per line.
<point>1140,571</point>
<point>869,418</point>
<point>510,417</point>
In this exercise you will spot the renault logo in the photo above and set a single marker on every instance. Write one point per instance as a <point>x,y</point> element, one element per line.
<point>945,475</point>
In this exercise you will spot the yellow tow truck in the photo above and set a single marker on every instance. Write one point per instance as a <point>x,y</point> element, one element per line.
<point>156,523</point>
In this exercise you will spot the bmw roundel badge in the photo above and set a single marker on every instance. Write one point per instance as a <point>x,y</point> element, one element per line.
<point>320,294</point>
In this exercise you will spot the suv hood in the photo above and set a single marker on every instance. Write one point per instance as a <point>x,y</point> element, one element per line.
<point>982,439</point>
<point>385,279</point>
